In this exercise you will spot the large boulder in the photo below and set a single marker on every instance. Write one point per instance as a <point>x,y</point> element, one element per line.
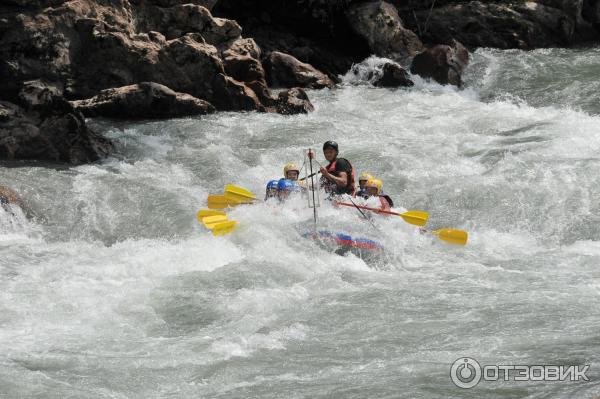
<point>393,75</point>
<point>233,95</point>
<point>379,23</point>
<point>445,64</point>
<point>526,25</point>
<point>147,100</point>
<point>180,19</point>
<point>90,45</point>
<point>248,70</point>
<point>45,127</point>
<point>116,59</point>
<point>87,46</point>
<point>284,70</point>
<point>294,101</point>
<point>244,68</point>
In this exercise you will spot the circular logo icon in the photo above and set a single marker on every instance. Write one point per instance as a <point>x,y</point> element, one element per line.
<point>465,372</point>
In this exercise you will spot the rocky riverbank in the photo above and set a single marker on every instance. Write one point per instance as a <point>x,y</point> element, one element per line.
<point>63,60</point>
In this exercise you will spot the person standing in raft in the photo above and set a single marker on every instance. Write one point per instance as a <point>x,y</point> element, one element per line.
<point>373,189</point>
<point>337,177</point>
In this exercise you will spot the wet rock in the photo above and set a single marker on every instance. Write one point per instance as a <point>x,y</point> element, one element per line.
<point>294,101</point>
<point>259,87</point>
<point>144,100</point>
<point>445,64</point>
<point>244,68</point>
<point>51,50</point>
<point>39,93</point>
<point>6,112</point>
<point>379,23</point>
<point>250,72</point>
<point>91,45</point>
<point>116,60</point>
<point>54,132</point>
<point>178,20</point>
<point>42,125</point>
<point>234,95</point>
<point>524,25</point>
<point>10,196</point>
<point>242,46</point>
<point>393,75</point>
<point>284,70</point>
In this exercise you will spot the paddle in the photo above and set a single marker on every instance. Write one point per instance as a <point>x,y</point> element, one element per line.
<point>202,213</point>
<point>221,202</point>
<point>417,218</point>
<point>223,228</point>
<point>211,221</point>
<point>309,176</point>
<point>239,194</point>
<point>452,236</point>
<point>363,214</point>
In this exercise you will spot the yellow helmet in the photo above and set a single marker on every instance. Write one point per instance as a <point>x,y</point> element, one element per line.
<point>376,183</point>
<point>364,176</point>
<point>288,167</point>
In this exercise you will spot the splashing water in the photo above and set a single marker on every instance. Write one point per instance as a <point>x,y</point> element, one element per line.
<point>115,290</point>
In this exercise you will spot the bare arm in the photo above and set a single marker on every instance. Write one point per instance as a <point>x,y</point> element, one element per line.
<point>340,181</point>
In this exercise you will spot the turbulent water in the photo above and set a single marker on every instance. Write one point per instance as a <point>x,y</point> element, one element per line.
<point>112,289</point>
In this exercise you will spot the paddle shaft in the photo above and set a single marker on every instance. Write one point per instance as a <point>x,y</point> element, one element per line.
<point>311,173</point>
<point>312,182</point>
<point>362,213</point>
<point>369,208</point>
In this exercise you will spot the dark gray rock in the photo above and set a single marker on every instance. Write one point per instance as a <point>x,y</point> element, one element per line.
<point>445,64</point>
<point>378,22</point>
<point>145,100</point>
<point>393,75</point>
<point>284,70</point>
<point>525,25</point>
<point>92,45</point>
<point>294,101</point>
<point>54,133</point>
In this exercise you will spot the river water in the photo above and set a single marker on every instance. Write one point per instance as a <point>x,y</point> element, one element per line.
<point>113,290</point>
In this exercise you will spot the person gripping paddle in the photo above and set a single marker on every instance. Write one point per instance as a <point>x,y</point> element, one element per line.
<point>337,177</point>
<point>373,189</point>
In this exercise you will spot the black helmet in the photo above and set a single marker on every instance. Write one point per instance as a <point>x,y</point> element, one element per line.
<point>331,144</point>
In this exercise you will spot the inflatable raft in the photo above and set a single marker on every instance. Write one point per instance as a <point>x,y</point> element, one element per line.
<point>342,243</point>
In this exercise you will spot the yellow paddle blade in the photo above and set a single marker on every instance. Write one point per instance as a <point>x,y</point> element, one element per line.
<point>211,221</point>
<point>234,197</point>
<point>224,228</point>
<point>418,218</point>
<point>452,236</point>
<point>221,202</point>
<point>239,194</point>
<point>202,213</point>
